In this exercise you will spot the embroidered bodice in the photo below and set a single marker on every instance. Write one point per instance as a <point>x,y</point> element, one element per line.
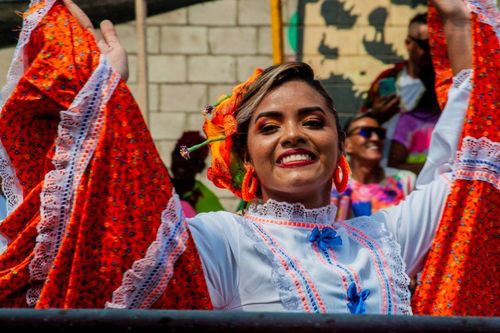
<point>280,256</point>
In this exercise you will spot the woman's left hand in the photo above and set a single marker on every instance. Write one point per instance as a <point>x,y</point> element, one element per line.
<point>107,41</point>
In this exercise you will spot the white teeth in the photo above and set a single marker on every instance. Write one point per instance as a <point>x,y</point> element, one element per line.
<point>295,158</point>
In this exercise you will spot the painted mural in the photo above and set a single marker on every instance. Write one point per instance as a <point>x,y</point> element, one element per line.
<point>349,42</point>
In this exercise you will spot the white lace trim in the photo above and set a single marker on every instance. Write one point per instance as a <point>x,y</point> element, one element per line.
<point>463,78</point>
<point>148,278</point>
<point>18,64</point>
<point>479,159</point>
<point>378,232</point>
<point>295,212</point>
<point>487,12</point>
<point>282,281</point>
<point>78,133</point>
<point>11,187</point>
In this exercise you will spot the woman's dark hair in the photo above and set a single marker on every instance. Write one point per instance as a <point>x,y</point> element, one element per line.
<point>271,78</point>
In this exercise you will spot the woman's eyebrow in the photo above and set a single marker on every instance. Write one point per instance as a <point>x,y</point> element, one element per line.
<point>310,109</point>
<point>269,114</point>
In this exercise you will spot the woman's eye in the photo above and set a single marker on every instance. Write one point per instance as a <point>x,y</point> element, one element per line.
<point>268,128</point>
<point>314,123</point>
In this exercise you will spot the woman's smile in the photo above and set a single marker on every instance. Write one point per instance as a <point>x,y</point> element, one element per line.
<point>295,158</point>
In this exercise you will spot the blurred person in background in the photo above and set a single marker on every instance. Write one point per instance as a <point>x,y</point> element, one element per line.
<point>195,196</point>
<point>404,101</point>
<point>371,186</point>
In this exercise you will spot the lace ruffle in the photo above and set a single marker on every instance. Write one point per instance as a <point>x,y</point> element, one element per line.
<point>11,187</point>
<point>145,282</point>
<point>463,78</point>
<point>479,159</point>
<point>279,278</point>
<point>10,184</point>
<point>295,212</point>
<point>78,134</point>
<point>487,12</point>
<point>18,64</point>
<point>392,252</point>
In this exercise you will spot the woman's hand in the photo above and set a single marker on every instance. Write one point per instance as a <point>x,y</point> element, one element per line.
<point>108,43</point>
<point>457,27</point>
<point>454,10</point>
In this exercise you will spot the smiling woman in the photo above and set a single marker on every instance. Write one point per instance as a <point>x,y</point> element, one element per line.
<point>276,143</point>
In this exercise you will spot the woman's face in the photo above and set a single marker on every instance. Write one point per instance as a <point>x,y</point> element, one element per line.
<point>293,145</point>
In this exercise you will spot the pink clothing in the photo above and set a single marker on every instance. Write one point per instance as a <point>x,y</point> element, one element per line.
<point>188,209</point>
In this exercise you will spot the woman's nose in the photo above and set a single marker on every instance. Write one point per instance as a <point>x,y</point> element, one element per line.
<point>293,135</point>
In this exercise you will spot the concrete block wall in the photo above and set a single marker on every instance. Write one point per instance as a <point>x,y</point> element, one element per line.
<point>197,53</point>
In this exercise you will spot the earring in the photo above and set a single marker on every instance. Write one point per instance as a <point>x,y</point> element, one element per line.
<point>343,170</point>
<point>250,184</point>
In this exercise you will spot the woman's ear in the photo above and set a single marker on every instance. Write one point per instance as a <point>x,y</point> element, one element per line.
<point>347,147</point>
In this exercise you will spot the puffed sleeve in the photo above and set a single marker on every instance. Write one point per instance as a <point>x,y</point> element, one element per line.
<point>213,234</point>
<point>414,221</point>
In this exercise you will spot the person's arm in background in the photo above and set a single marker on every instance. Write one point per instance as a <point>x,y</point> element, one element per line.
<point>397,158</point>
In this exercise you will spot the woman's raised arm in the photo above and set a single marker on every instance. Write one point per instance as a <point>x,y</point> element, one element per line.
<point>107,40</point>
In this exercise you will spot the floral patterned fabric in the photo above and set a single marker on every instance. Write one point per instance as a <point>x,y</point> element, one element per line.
<point>92,184</point>
<point>460,276</point>
<point>365,199</point>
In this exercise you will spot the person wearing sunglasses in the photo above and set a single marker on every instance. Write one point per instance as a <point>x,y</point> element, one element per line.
<point>371,186</point>
<point>406,91</point>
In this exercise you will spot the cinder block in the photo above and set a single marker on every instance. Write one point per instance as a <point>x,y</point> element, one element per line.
<point>401,15</point>
<point>132,68</point>
<point>5,61</point>
<point>154,97</point>
<point>396,36</point>
<point>128,37</point>
<point>165,148</point>
<point>330,42</point>
<point>166,125</point>
<point>153,39</point>
<point>219,13</point>
<point>183,97</point>
<point>265,41</point>
<point>254,12</point>
<point>211,69</point>
<point>233,40</point>
<point>178,16</point>
<point>246,65</point>
<point>195,122</point>
<point>289,9</point>
<point>215,91</point>
<point>184,40</point>
<point>165,68</point>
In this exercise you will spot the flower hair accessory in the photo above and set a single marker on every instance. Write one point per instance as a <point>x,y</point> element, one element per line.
<point>227,169</point>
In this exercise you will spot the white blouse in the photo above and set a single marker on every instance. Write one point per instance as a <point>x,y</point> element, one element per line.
<point>283,257</point>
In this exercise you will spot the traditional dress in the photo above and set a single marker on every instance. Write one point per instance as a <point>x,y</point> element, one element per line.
<point>283,257</point>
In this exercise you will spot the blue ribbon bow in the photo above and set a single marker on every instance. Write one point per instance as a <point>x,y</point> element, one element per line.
<point>326,237</point>
<point>356,300</point>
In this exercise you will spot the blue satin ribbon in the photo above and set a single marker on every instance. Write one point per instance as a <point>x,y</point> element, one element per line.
<point>326,237</point>
<point>357,300</point>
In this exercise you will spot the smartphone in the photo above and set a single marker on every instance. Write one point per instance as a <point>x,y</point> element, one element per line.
<point>387,87</point>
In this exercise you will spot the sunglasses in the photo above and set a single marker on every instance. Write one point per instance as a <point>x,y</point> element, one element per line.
<point>366,132</point>
<point>422,43</point>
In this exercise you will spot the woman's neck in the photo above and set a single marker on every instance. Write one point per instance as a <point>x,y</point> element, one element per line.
<point>367,173</point>
<point>310,200</point>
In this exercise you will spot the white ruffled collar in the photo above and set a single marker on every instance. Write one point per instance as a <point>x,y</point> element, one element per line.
<point>292,212</point>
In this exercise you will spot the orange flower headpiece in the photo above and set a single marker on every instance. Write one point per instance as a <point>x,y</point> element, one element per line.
<point>227,169</point>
